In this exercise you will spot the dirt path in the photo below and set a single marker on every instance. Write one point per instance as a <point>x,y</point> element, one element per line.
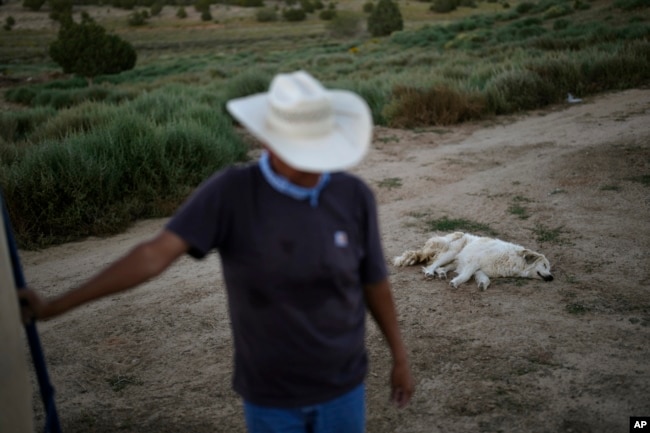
<point>525,355</point>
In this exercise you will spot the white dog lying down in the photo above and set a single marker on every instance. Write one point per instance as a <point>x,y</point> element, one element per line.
<point>476,256</point>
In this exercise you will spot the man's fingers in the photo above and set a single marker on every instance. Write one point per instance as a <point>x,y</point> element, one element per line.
<point>400,397</point>
<point>26,301</point>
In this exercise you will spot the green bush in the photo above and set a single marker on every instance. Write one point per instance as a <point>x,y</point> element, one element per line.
<point>307,6</point>
<point>85,49</point>
<point>327,14</point>
<point>376,94</point>
<point>206,15</point>
<point>629,5</point>
<point>79,119</point>
<point>344,25</point>
<point>9,23</point>
<point>137,19</point>
<point>557,11</point>
<point>629,66</point>
<point>180,13</point>
<point>156,8</point>
<point>412,107</point>
<point>18,125</point>
<point>124,168</point>
<point>580,5</point>
<point>202,5</point>
<point>368,7</point>
<point>294,14</point>
<point>524,7</point>
<point>444,6</point>
<point>517,90</point>
<point>250,3</point>
<point>247,83</point>
<point>60,9</point>
<point>561,24</point>
<point>34,5</point>
<point>266,15</point>
<point>385,19</point>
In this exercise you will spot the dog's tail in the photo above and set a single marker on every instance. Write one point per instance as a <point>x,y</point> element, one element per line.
<point>410,258</point>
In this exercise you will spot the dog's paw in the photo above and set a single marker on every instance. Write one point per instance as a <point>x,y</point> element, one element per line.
<point>483,286</point>
<point>453,284</point>
<point>429,274</point>
<point>441,273</point>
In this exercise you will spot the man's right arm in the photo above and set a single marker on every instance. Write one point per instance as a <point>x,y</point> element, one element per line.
<point>145,261</point>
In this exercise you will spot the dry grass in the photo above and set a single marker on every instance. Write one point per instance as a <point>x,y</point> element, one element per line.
<point>412,107</point>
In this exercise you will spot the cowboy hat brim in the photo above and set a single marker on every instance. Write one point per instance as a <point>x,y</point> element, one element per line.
<point>341,148</point>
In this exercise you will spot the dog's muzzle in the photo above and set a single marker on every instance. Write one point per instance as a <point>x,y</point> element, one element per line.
<point>548,277</point>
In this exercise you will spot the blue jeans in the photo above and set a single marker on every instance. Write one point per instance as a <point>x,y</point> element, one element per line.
<point>345,414</point>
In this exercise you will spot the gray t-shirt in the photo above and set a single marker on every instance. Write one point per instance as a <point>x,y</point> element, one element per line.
<point>294,275</point>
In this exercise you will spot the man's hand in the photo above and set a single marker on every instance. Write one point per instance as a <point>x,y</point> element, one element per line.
<point>32,306</point>
<point>402,385</point>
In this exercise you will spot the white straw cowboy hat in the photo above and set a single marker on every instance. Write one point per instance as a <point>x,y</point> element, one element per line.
<point>308,127</point>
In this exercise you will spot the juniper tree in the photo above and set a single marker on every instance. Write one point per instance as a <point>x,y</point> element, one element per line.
<point>385,19</point>
<point>86,49</point>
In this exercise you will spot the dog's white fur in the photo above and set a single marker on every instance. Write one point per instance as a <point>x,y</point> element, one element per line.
<point>476,256</point>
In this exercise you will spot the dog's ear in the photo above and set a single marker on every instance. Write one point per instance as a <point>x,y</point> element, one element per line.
<point>530,256</point>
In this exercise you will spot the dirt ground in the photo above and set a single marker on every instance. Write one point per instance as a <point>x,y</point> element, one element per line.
<point>570,355</point>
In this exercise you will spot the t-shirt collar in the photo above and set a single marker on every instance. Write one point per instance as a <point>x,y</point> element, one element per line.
<point>286,187</point>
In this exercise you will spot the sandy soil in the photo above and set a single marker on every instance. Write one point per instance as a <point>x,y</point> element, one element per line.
<point>564,356</point>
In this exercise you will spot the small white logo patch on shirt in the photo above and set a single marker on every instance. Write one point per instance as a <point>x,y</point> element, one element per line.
<point>340,239</point>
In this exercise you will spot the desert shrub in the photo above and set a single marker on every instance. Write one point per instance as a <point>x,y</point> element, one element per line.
<point>524,7</point>
<point>202,5</point>
<point>580,5</point>
<point>21,95</point>
<point>375,94</point>
<point>412,107</point>
<point>344,25</point>
<point>467,3</point>
<point>541,5</point>
<point>76,120</point>
<point>307,6</point>
<point>250,3</point>
<point>55,98</point>
<point>443,6</point>
<point>85,49</point>
<point>294,14</point>
<point>127,168</point>
<point>471,23</point>
<point>206,15</point>
<point>60,9</point>
<point>557,11</point>
<point>368,7</point>
<point>561,24</point>
<point>562,72</point>
<point>180,13</point>
<point>520,30</point>
<point>137,19</point>
<point>517,90</point>
<point>327,14</point>
<point>20,124</point>
<point>156,8</point>
<point>426,36</point>
<point>34,5</point>
<point>247,83</point>
<point>626,67</point>
<point>9,23</point>
<point>629,5</point>
<point>385,19</point>
<point>266,15</point>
